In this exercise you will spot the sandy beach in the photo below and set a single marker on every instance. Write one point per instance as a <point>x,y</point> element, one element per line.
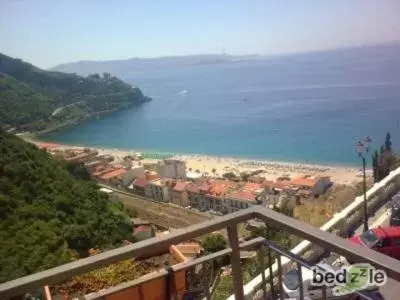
<point>216,166</point>
<point>271,169</point>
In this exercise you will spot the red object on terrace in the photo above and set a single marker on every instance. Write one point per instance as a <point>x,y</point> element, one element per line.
<point>385,240</point>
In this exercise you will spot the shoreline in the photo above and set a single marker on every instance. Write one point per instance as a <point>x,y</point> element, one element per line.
<point>36,138</point>
<point>214,165</point>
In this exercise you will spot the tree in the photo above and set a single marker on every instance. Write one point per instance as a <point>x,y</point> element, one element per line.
<point>385,161</point>
<point>388,143</point>
<point>245,176</point>
<point>78,170</point>
<point>47,214</point>
<point>375,165</point>
<point>229,175</point>
<point>214,243</point>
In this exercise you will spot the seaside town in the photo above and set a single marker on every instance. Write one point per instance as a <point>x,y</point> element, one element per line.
<point>169,192</point>
<point>223,189</point>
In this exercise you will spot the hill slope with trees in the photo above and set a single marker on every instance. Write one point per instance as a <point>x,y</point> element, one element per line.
<point>47,216</point>
<point>34,99</point>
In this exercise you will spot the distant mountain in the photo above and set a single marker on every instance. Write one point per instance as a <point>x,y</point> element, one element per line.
<point>124,66</point>
<point>35,99</point>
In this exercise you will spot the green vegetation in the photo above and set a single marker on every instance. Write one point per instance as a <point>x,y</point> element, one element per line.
<point>34,99</point>
<point>214,243</point>
<point>385,161</point>
<point>48,216</point>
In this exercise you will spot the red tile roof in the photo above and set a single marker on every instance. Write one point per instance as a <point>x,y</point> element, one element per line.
<point>192,187</point>
<point>243,195</point>
<point>221,187</point>
<point>282,184</point>
<point>113,174</point>
<point>205,187</point>
<point>180,186</point>
<point>102,169</point>
<point>253,187</point>
<point>141,182</point>
<point>305,181</point>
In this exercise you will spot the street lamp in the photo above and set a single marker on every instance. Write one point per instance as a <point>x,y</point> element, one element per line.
<point>362,149</point>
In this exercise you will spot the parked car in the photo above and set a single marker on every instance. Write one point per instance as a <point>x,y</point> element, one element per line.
<point>385,240</point>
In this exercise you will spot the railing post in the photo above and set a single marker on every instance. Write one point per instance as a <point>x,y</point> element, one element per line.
<point>235,262</point>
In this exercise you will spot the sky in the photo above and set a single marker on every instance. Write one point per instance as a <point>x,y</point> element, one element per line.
<point>50,32</point>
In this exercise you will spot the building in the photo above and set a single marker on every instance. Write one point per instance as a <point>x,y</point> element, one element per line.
<point>194,195</point>
<point>249,194</point>
<point>317,185</point>
<point>238,200</point>
<point>209,194</point>
<point>102,169</point>
<point>215,198</point>
<point>178,194</point>
<point>172,168</point>
<point>143,232</point>
<point>158,190</point>
<point>140,187</point>
<point>113,177</point>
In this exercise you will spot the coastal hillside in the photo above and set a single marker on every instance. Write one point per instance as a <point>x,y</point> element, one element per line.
<point>47,216</point>
<point>35,99</point>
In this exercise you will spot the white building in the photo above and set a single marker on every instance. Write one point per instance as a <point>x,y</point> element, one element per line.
<point>172,168</point>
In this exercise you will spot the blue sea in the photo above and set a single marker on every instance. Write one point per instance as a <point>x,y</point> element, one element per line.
<point>309,107</point>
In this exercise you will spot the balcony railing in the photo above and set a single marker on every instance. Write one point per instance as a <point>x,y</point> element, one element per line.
<point>271,287</point>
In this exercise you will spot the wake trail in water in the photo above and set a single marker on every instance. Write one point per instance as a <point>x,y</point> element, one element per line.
<point>182,96</point>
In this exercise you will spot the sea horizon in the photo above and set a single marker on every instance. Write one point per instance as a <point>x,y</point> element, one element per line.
<point>308,108</point>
